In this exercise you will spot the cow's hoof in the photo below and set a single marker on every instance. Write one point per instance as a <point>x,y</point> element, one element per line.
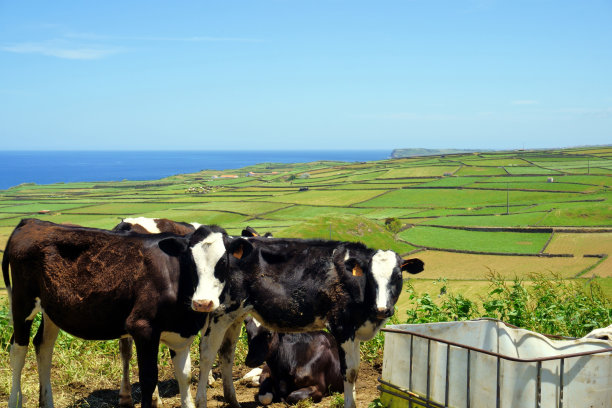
<point>126,401</point>
<point>266,399</point>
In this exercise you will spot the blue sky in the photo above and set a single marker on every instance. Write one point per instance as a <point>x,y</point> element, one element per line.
<point>282,74</point>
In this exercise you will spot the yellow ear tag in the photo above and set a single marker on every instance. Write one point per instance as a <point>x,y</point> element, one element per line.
<point>238,253</point>
<point>357,271</point>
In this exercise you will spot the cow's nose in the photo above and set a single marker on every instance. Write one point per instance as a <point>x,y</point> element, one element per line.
<point>204,306</point>
<point>383,312</point>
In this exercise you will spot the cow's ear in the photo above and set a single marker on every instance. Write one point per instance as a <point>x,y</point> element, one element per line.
<point>354,280</point>
<point>274,257</point>
<point>238,248</point>
<point>413,265</point>
<point>249,232</point>
<point>174,246</point>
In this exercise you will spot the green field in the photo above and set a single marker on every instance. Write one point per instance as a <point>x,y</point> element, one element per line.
<point>351,201</point>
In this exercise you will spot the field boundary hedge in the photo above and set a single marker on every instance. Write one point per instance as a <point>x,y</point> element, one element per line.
<point>552,234</point>
<point>544,230</point>
<point>465,251</point>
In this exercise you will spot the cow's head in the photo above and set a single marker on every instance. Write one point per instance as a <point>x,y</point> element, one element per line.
<point>374,277</point>
<point>205,248</point>
<point>260,340</point>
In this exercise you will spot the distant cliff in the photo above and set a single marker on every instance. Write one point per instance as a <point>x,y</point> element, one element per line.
<point>398,153</point>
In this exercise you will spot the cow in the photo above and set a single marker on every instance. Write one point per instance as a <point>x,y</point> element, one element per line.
<point>146,225</point>
<point>295,285</point>
<point>99,285</point>
<point>297,366</point>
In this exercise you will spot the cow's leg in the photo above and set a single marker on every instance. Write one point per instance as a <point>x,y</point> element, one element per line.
<point>314,392</point>
<point>17,357</point>
<point>182,371</point>
<point>22,323</point>
<point>266,386</point>
<point>226,354</point>
<point>43,343</point>
<point>309,381</point>
<point>349,365</point>
<point>209,345</point>
<point>125,392</point>
<point>146,353</point>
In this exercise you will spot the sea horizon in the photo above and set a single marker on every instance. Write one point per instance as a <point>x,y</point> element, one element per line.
<point>67,166</point>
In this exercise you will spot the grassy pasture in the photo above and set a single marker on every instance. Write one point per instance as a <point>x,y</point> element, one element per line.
<point>580,244</point>
<point>347,228</point>
<point>497,220</point>
<point>451,182</point>
<point>323,197</point>
<point>461,198</point>
<point>494,162</point>
<point>539,186</point>
<point>480,171</point>
<point>243,207</point>
<point>364,176</point>
<point>34,207</point>
<point>597,213</point>
<point>495,242</point>
<point>303,212</point>
<point>123,209</point>
<point>203,217</point>
<point>530,170</point>
<point>425,171</point>
<point>457,266</point>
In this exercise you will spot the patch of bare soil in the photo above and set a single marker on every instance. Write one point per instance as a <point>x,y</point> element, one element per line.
<point>88,395</point>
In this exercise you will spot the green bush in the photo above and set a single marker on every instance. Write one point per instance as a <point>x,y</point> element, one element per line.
<point>545,305</point>
<point>551,306</point>
<point>393,225</point>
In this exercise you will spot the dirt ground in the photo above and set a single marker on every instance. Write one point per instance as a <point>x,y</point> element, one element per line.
<point>87,395</point>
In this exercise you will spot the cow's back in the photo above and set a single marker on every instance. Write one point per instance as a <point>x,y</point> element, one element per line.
<point>71,267</point>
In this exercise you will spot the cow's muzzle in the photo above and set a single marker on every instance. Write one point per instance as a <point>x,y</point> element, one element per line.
<point>384,313</point>
<point>204,306</point>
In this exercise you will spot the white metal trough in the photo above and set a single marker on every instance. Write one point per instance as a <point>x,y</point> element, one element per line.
<point>487,363</point>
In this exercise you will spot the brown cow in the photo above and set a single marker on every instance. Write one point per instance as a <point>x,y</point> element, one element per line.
<point>99,285</point>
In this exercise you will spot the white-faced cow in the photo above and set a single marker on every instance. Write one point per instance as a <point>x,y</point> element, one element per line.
<point>293,285</point>
<point>146,225</point>
<point>98,285</point>
<point>297,366</point>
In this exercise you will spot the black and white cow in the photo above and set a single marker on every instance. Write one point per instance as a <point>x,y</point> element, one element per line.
<point>146,225</point>
<point>294,285</point>
<point>297,366</point>
<point>98,284</point>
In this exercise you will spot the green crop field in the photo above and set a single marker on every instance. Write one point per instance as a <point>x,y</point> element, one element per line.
<point>480,241</point>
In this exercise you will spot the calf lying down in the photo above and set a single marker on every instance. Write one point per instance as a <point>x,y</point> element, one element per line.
<point>298,365</point>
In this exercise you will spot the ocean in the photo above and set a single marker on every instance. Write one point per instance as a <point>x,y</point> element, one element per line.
<point>47,167</point>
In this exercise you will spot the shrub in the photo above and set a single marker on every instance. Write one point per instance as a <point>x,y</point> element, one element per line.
<point>336,401</point>
<point>552,306</point>
<point>393,225</point>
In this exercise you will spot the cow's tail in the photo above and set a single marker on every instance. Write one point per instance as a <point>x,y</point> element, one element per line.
<point>7,278</point>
